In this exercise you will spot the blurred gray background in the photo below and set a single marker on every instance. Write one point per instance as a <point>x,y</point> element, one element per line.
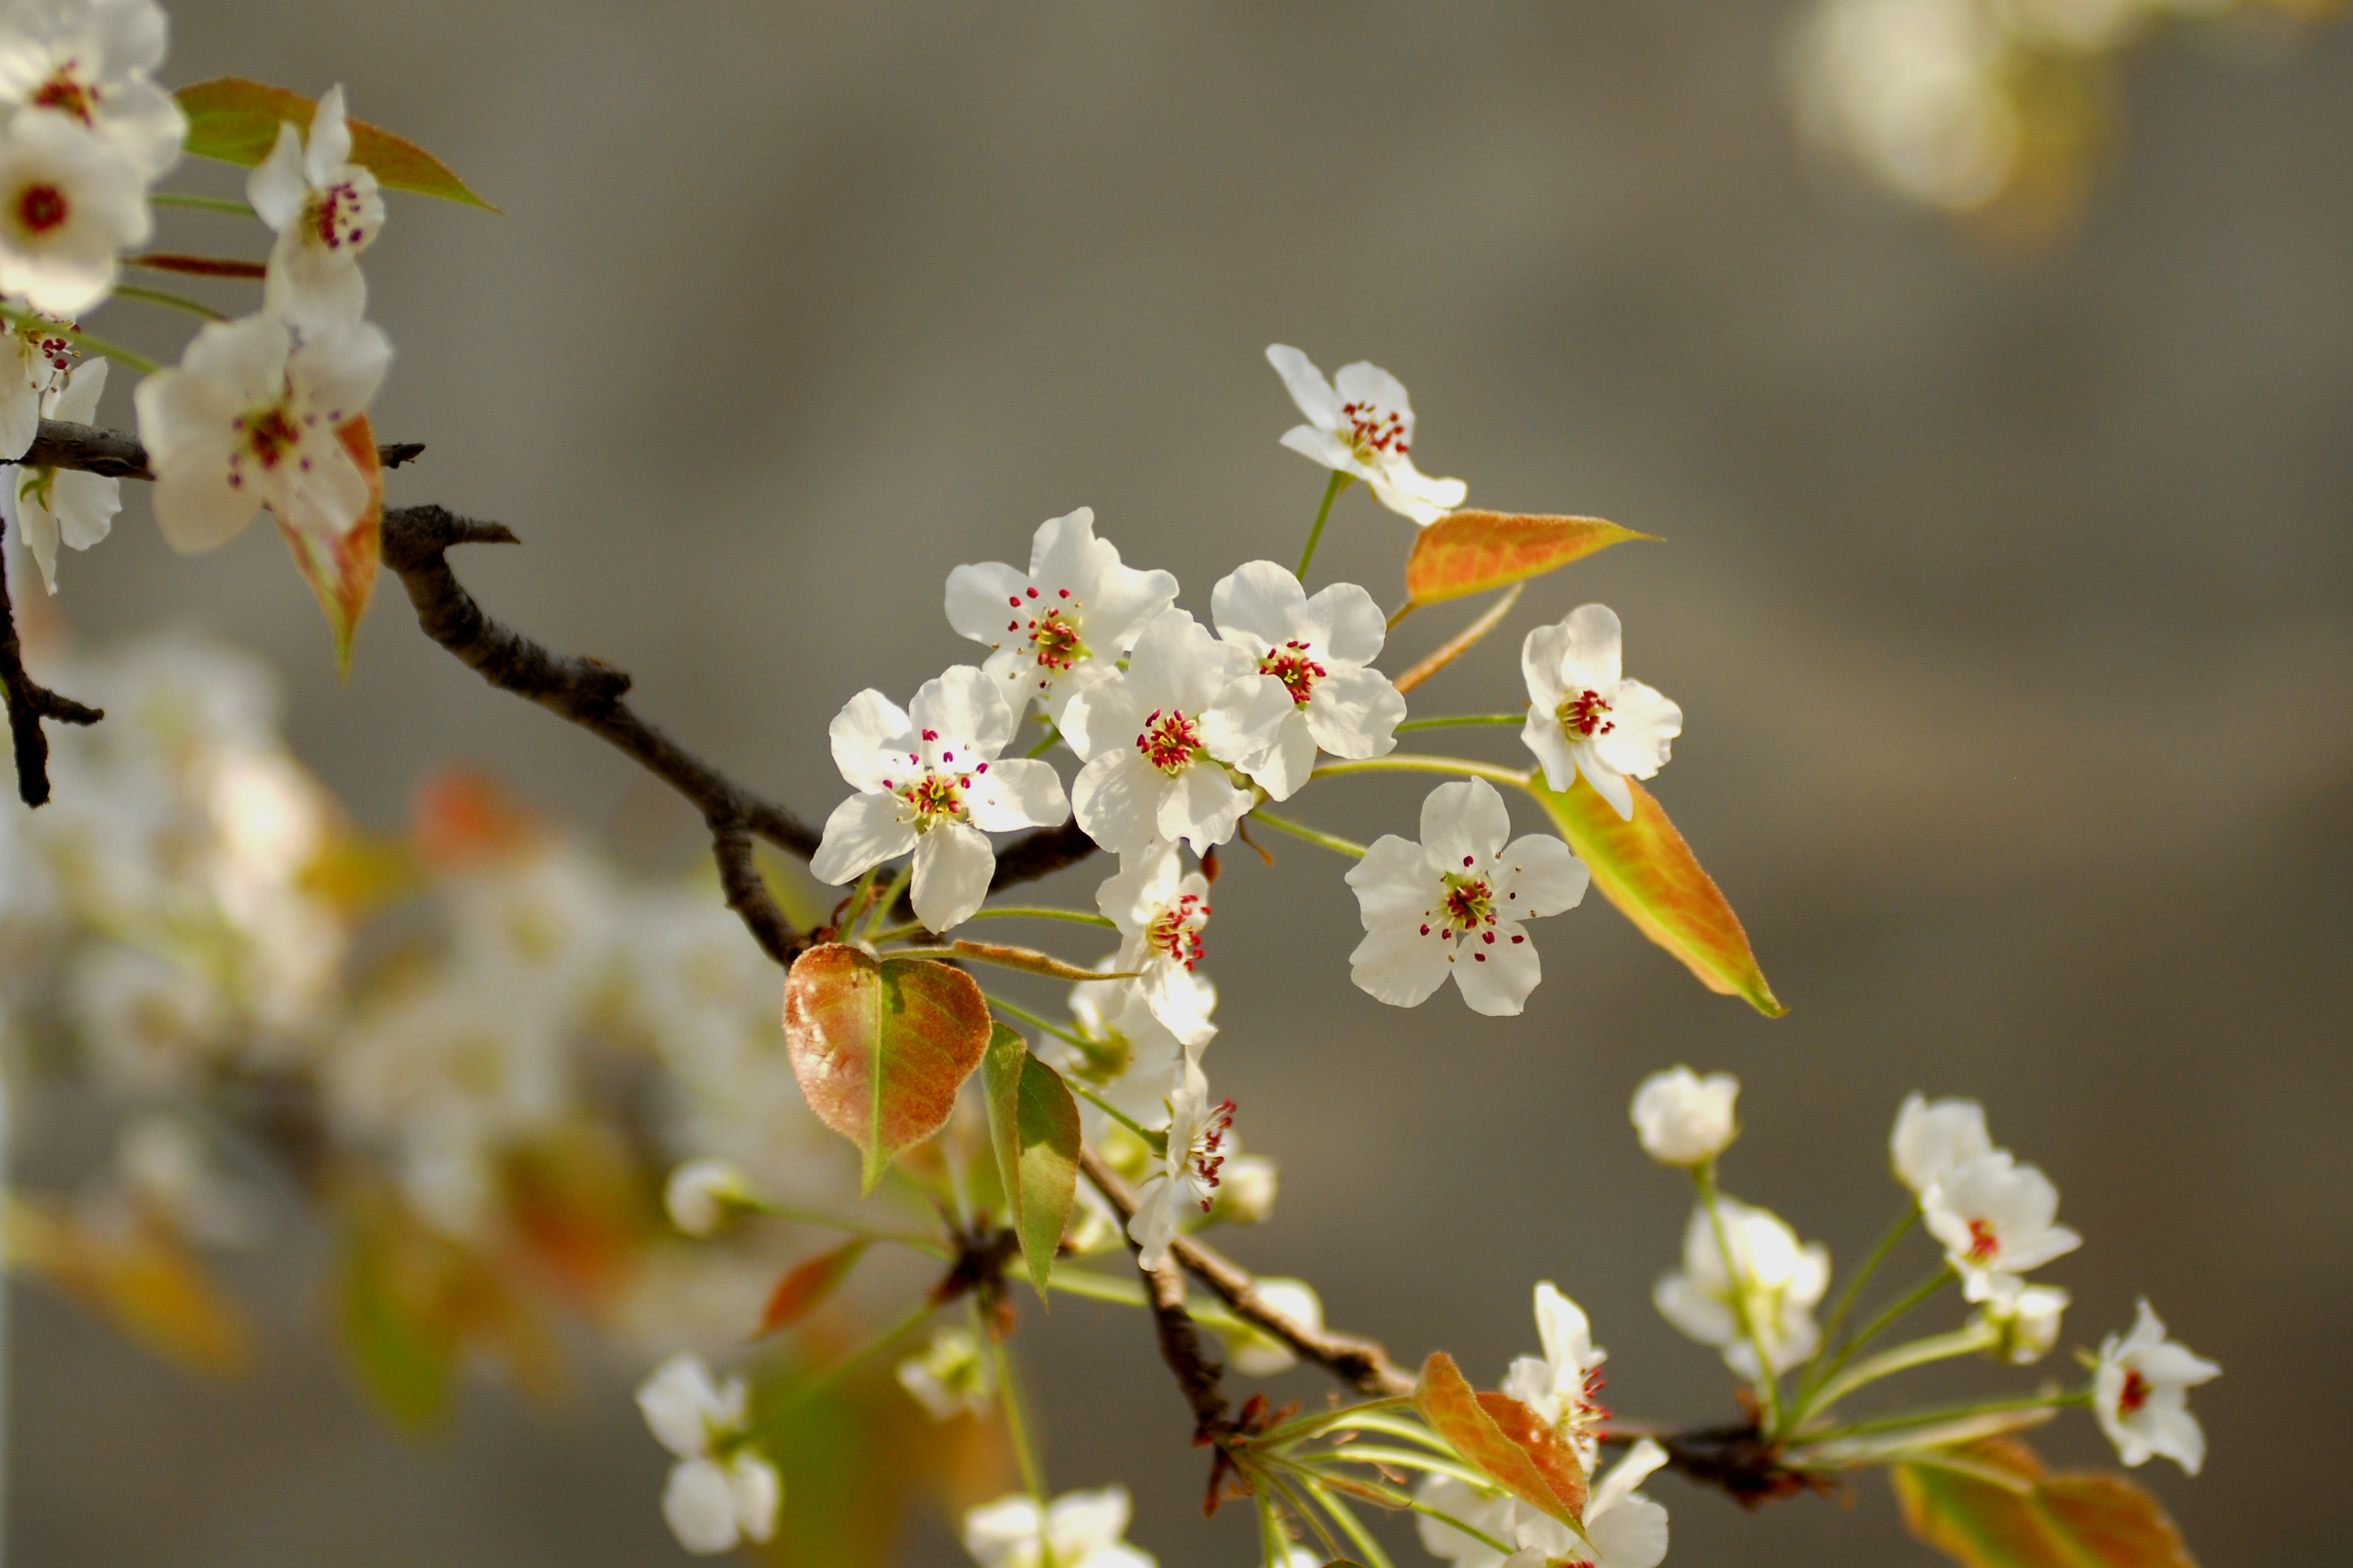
<point>2006,594</point>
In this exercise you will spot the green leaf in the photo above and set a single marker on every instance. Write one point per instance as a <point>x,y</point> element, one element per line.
<point>1468,552</point>
<point>804,1288</point>
<point>237,121</point>
<point>1506,1440</point>
<point>882,1046</point>
<point>1996,1508</point>
<point>1645,869</point>
<point>1033,1124</point>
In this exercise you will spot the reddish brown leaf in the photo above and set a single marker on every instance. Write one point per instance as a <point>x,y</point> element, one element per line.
<point>803,1288</point>
<point>2029,1519</point>
<point>1504,1440</point>
<point>341,571</point>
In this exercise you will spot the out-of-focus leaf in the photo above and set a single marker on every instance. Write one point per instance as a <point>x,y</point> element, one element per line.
<point>360,872</point>
<point>142,1278</point>
<point>2002,1511</point>
<point>235,120</point>
<point>1645,869</point>
<point>410,1304</point>
<point>1509,1444</point>
<point>804,1287</point>
<point>341,571</point>
<point>1466,552</point>
<point>462,819</point>
<point>582,1207</point>
<point>1033,1124</point>
<point>881,1048</point>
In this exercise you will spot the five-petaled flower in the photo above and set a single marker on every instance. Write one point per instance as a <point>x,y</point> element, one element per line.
<point>929,779</point>
<point>1077,1530</point>
<point>326,210</point>
<point>1453,903</point>
<point>35,357</point>
<point>1074,614</point>
<point>1623,1529</point>
<point>1363,426</point>
<point>70,204</point>
<point>1159,737</point>
<point>1316,652</point>
<point>1771,1279</point>
<point>1161,910</point>
<point>50,507</point>
<point>2140,1393</point>
<point>89,61</point>
<point>1995,1218</point>
<point>1934,1139</point>
<point>1584,717</point>
<point>1128,1051</point>
<point>1683,1119</point>
<point>1562,1387</point>
<point>1186,1184</point>
<point>721,1490</point>
<point>248,419</point>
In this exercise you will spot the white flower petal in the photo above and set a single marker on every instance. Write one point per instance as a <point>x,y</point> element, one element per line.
<point>1595,646</point>
<point>1538,877</point>
<point>1202,807</point>
<point>1015,793</point>
<point>1322,447</point>
<point>1284,763</point>
<point>863,831</point>
<point>1308,389</point>
<point>1643,724</point>
<point>873,739</point>
<point>1355,627</point>
<point>1607,781</point>
<point>1257,606</point>
<point>1496,969</point>
<point>982,599</point>
<point>967,714</point>
<point>1464,824</point>
<point>699,1505</point>
<point>1399,966</point>
<point>1242,719</point>
<point>1355,713</point>
<point>759,1495</point>
<point>1395,882</point>
<point>276,187</point>
<point>953,866</point>
<point>1116,798</point>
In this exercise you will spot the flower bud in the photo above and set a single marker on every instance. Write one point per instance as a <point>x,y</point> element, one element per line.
<point>702,1194</point>
<point>1257,1354</point>
<point>1933,1138</point>
<point>1683,1119</point>
<point>1246,1189</point>
<point>2028,1323</point>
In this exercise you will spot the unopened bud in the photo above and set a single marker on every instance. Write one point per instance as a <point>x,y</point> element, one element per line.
<point>2028,1323</point>
<point>1684,1119</point>
<point>1255,1352</point>
<point>1246,1188</point>
<point>703,1194</point>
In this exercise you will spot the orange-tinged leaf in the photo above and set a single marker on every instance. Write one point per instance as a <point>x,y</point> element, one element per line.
<point>1645,869</point>
<point>580,1209</point>
<point>235,120</point>
<point>149,1285</point>
<point>804,1287</point>
<point>342,570</point>
<point>462,819</point>
<point>2005,1511</point>
<point>1466,552</point>
<point>882,1046</point>
<point>1507,1442</point>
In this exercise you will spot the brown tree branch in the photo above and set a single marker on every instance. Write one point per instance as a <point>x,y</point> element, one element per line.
<point>29,702</point>
<point>117,454</point>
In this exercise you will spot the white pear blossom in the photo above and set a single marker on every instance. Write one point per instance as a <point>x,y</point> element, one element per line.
<point>1624,1528</point>
<point>1683,1119</point>
<point>929,779</point>
<point>326,210</point>
<point>1934,1139</point>
<point>1077,1530</point>
<point>1995,1218</point>
<point>701,1193</point>
<point>1254,1352</point>
<point>1778,1281</point>
<point>1161,911</point>
<point>952,1377</point>
<point>70,204</point>
<point>1563,1386</point>
<point>1315,650</point>
<point>1072,615</point>
<point>1491,1513</point>
<point>1363,426</point>
<point>1129,1051</point>
<point>2140,1393</point>
<point>35,359</point>
<point>721,1490</point>
<point>2026,1325</point>
<point>1187,1177</point>
<point>248,419</point>
<point>1454,902</point>
<point>90,61</point>
<point>1160,736</point>
<point>50,507</point>
<point>1584,717</point>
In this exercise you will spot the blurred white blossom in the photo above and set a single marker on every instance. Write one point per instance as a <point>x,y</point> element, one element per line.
<point>1777,1281</point>
<point>2140,1392</point>
<point>1683,1119</point>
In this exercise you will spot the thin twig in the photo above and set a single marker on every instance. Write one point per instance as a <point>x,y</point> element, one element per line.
<point>117,454</point>
<point>29,702</point>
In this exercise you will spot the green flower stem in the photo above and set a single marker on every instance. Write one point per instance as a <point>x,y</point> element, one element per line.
<point>1409,1458</point>
<point>1350,1525</point>
<point>1402,611</point>
<point>863,1357</point>
<point>166,298</point>
<point>1416,763</point>
<point>1886,1364</point>
<point>201,204</point>
<point>1498,719</point>
<point>129,358</point>
<point>1289,1492</point>
<point>1871,1331</point>
<point>926,1245</point>
<point>1879,1254</point>
<point>1331,493</point>
<point>999,1005</point>
<point>1768,1385</point>
<point>1933,1414</point>
<point>1016,1423</point>
<point>1156,1141</point>
<point>1332,841</point>
<point>1392,1498</point>
<point>1045,742</point>
<point>1040,912</point>
<point>1274,1543</point>
<point>881,909</point>
<point>1303,1427</point>
<point>1129,1292</point>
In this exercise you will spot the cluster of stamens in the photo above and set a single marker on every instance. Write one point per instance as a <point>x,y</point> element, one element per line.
<point>333,216</point>
<point>42,206</point>
<point>1372,432</point>
<point>1984,1244</point>
<point>1054,637</point>
<point>68,94</point>
<point>1170,741</point>
<point>1176,930</point>
<point>1583,714</point>
<point>1206,1153</point>
<point>2134,1394</point>
<point>936,797</point>
<point>1467,908</point>
<point>1290,665</point>
<point>58,352</point>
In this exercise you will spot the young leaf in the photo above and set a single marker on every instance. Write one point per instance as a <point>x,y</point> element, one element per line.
<point>2027,1519</point>
<point>1645,869</point>
<point>237,121</point>
<point>1506,1440</point>
<point>1033,1124</point>
<point>341,571</point>
<point>804,1288</point>
<point>152,1286</point>
<point>1469,551</point>
<point>881,1048</point>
